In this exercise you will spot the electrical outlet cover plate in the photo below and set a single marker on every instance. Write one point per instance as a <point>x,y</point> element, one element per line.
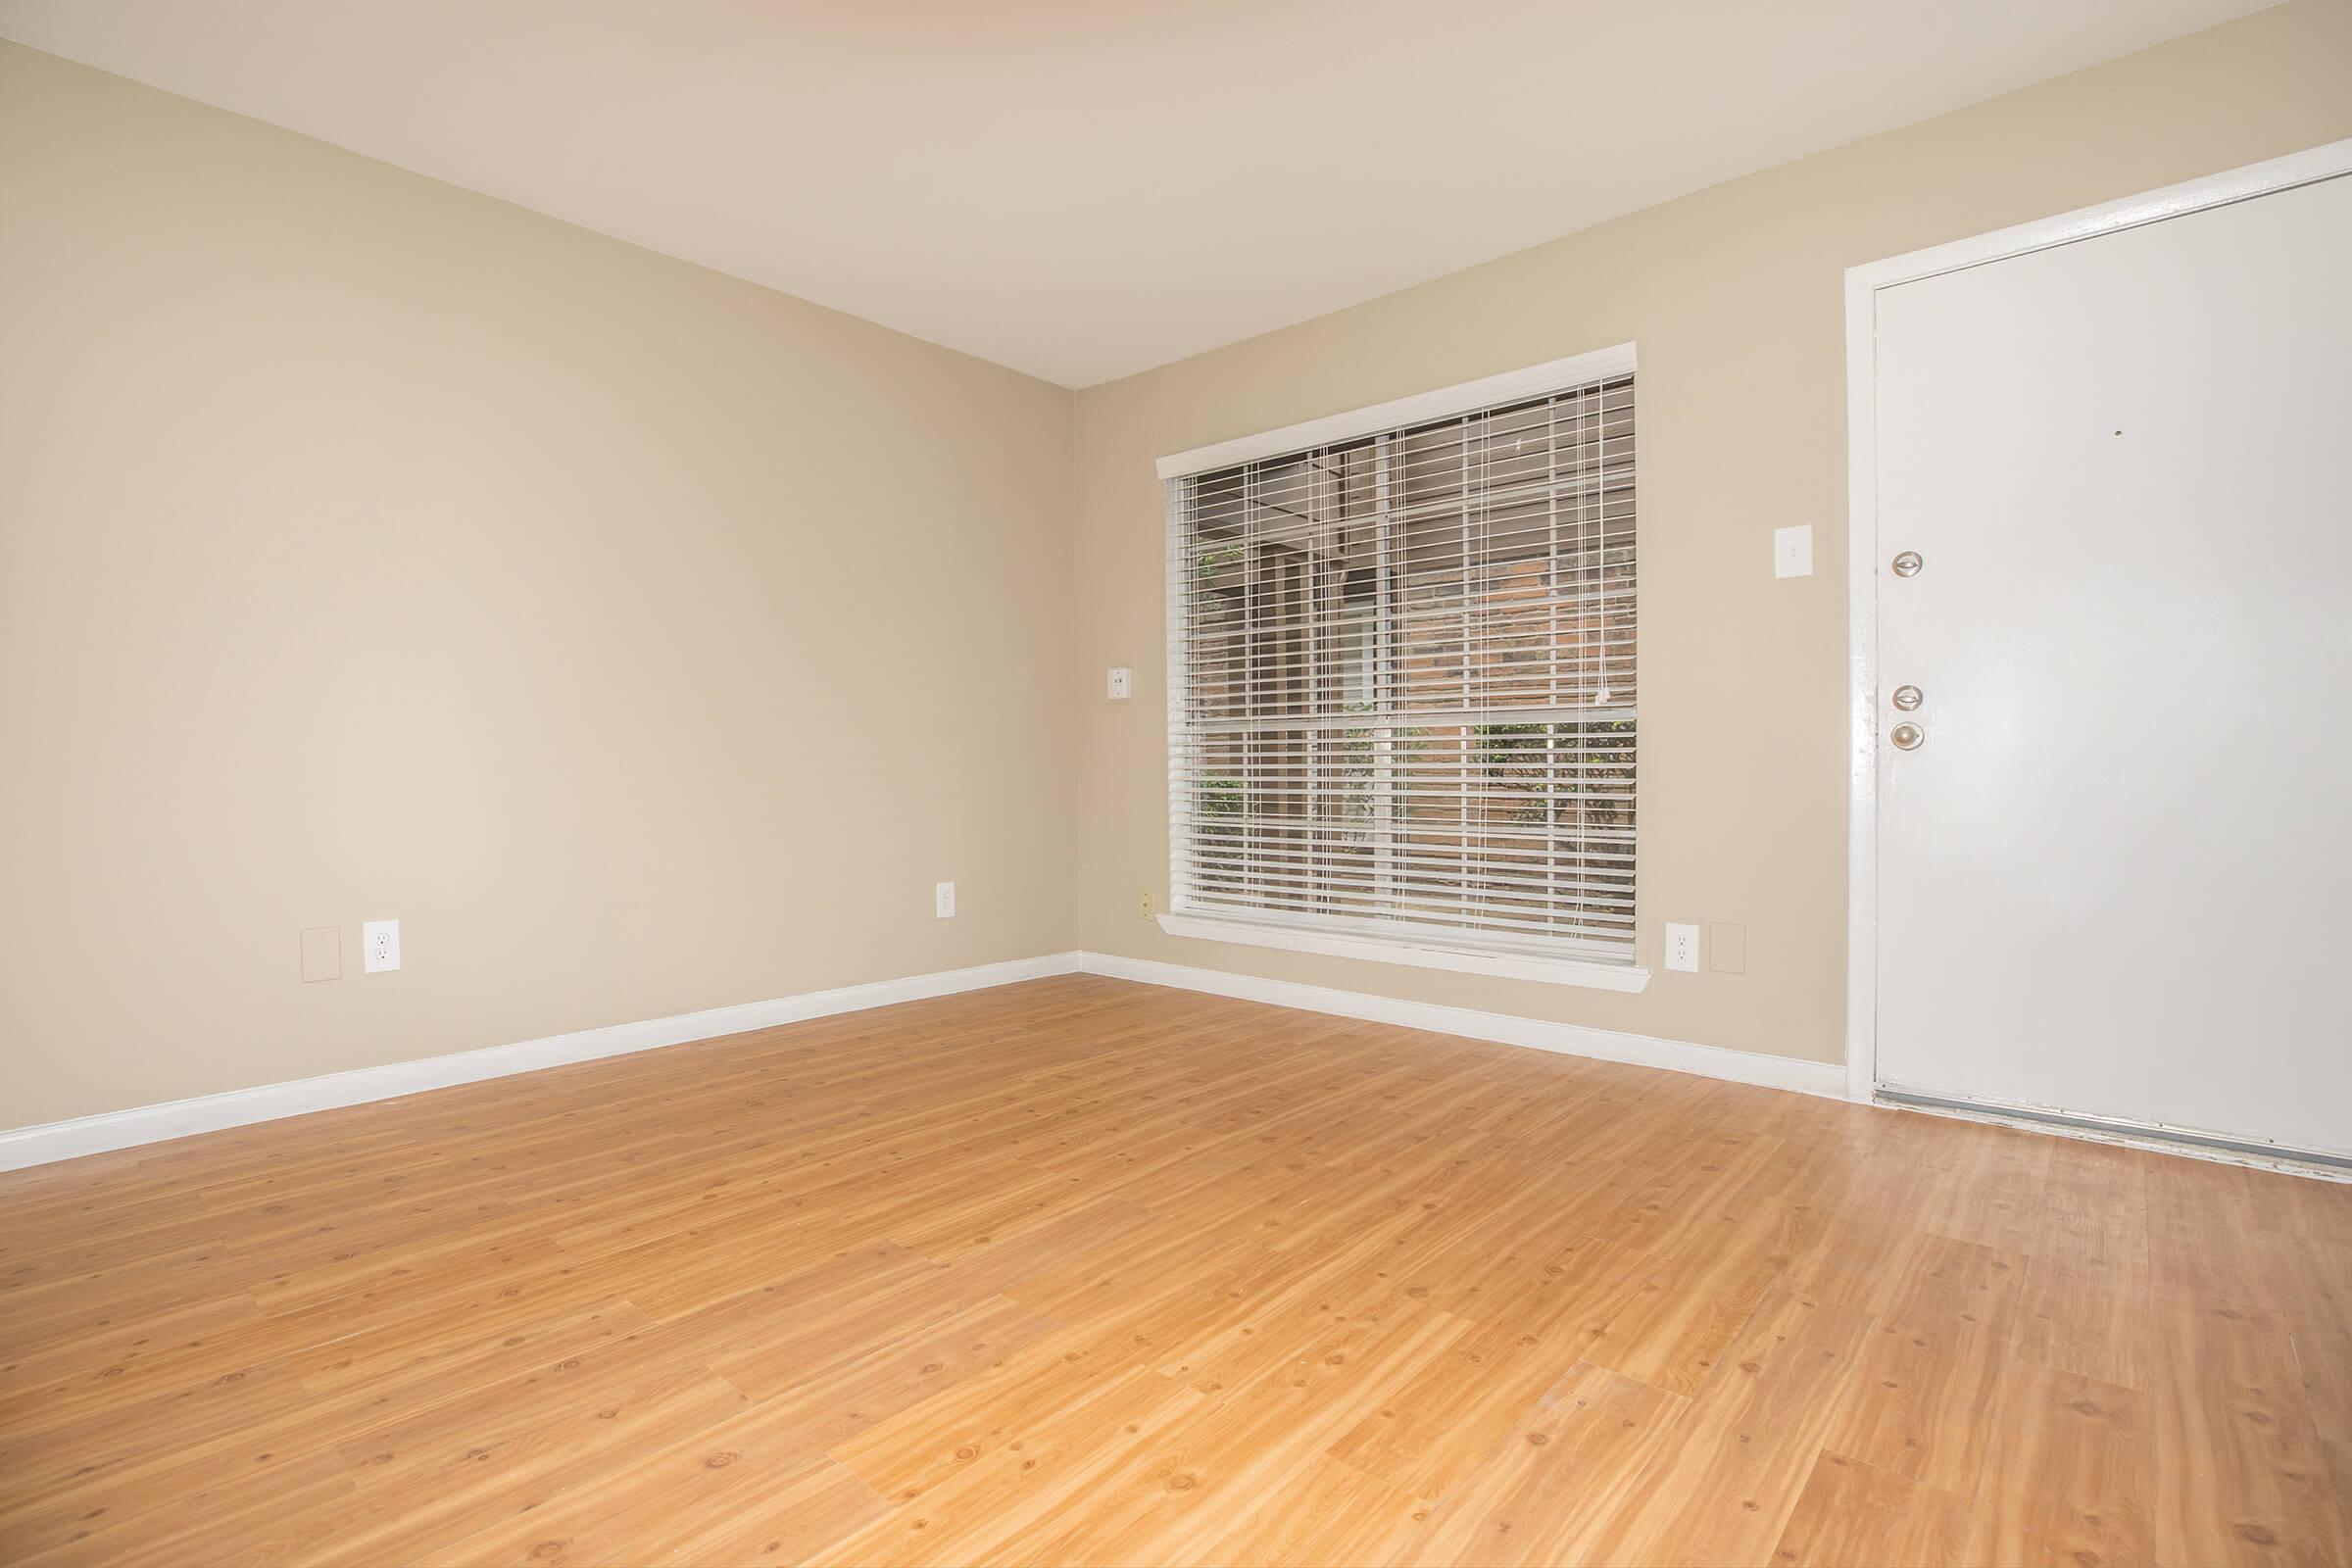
<point>1121,684</point>
<point>380,946</point>
<point>943,900</point>
<point>1682,947</point>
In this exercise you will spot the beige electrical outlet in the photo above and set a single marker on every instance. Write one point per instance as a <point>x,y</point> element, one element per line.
<point>1727,948</point>
<point>1143,908</point>
<point>322,953</point>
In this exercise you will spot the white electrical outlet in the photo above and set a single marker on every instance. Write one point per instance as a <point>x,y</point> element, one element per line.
<point>1793,551</point>
<point>1682,947</point>
<point>380,946</point>
<point>943,900</point>
<point>1121,685</point>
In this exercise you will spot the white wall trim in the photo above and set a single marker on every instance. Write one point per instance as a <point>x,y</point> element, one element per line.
<point>238,1107</point>
<point>1573,1040</point>
<point>1553,375</point>
<point>1862,284</point>
<point>1543,970</point>
<point>25,1147</point>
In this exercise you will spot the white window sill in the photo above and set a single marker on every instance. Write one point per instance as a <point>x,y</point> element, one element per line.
<point>1508,966</point>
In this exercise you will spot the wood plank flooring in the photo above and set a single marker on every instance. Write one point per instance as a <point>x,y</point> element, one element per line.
<point>1080,1271</point>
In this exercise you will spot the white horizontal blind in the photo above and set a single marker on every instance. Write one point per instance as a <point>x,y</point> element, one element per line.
<point>1403,673</point>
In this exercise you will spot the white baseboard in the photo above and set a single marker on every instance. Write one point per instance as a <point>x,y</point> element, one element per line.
<point>1826,1078</point>
<point>179,1118</point>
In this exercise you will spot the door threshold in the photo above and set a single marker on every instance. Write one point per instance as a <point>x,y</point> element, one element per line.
<point>2135,1135</point>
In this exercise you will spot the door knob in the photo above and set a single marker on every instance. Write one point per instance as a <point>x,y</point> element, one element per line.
<point>1906,697</point>
<point>1907,564</point>
<point>1908,737</point>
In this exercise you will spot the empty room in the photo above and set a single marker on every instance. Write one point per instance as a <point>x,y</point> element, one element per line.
<point>1115,782</point>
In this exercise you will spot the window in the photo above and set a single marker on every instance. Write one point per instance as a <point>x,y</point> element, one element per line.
<point>1402,669</point>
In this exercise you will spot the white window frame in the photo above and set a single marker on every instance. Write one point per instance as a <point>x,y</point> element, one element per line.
<point>1435,950</point>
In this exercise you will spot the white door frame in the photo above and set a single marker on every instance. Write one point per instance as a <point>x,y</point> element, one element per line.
<point>1862,284</point>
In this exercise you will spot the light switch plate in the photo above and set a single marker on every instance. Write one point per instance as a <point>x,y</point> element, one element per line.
<point>1682,947</point>
<point>1121,684</point>
<point>380,946</point>
<point>1793,551</point>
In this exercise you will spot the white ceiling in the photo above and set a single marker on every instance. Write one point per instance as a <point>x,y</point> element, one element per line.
<point>1085,188</point>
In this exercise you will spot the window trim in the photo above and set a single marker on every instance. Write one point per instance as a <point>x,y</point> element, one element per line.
<point>1536,380</point>
<point>1272,930</point>
<point>1305,938</point>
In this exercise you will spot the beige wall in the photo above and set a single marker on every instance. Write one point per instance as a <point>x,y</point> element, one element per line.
<point>647,641</point>
<point>1734,297</point>
<point>643,640</point>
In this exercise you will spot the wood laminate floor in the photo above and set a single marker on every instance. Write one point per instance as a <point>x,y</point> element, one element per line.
<point>1081,1271</point>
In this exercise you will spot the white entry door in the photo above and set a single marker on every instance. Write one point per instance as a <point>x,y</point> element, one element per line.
<point>2115,875</point>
